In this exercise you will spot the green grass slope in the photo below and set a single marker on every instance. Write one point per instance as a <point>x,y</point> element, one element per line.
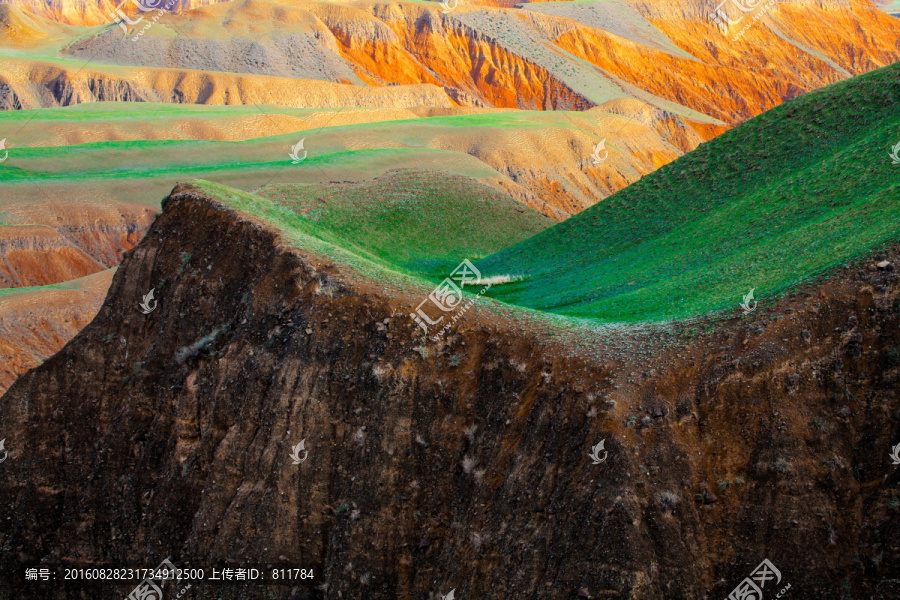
<point>419,221</point>
<point>779,199</point>
<point>147,169</point>
<point>409,223</point>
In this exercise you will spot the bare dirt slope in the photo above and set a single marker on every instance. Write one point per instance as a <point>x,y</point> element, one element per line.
<point>50,239</point>
<point>455,464</point>
<point>556,55</point>
<point>35,83</point>
<point>35,323</point>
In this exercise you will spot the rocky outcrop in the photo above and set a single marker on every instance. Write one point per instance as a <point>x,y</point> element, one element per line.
<point>461,464</point>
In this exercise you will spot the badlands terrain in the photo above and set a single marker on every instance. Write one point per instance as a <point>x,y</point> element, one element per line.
<point>292,179</point>
<point>101,123</point>
<point>460,458</point>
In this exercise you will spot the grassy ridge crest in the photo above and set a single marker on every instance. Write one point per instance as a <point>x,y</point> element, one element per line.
<point>777,200</point>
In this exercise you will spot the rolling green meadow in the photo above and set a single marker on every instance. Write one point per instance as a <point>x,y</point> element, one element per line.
<point>774,202</point>
<point>780,199</point>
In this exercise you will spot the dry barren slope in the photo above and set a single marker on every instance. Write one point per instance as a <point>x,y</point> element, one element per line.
<point>46,239</point>
<point>40,82</point>
<point>558,55</point>
<point>460,464</point>
<point>61,252</point>
<point>35,323</point>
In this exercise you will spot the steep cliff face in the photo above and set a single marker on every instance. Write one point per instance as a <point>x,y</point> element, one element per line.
<point>454,464</point>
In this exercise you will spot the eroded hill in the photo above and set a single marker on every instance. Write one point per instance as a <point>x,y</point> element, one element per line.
<point>461,463</point>
<point>36,322</point>
<point>543,56</point>
<point>542,159</point>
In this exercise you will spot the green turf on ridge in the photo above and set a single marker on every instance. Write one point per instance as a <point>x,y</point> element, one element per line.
<point>296,229</point>
<point>419,221</point>
<point>415,228</point>
<point>783,197</point>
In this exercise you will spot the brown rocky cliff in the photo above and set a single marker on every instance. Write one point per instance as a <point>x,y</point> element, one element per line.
<point>461,464</point>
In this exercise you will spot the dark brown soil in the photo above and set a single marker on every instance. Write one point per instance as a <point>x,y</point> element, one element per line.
<point>454,465</point>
